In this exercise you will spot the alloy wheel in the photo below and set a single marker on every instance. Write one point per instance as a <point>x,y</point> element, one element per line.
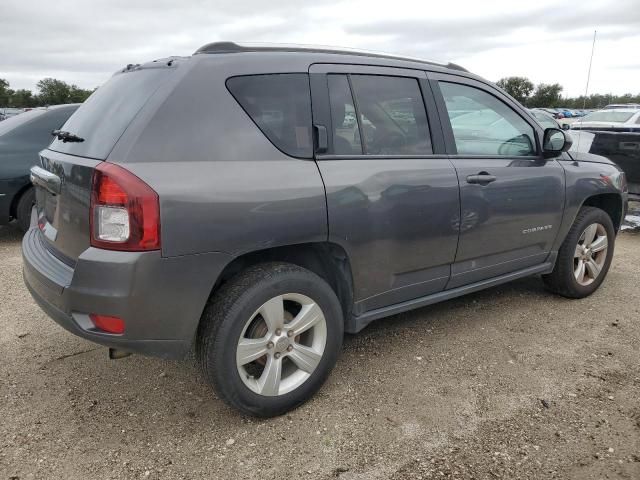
<point>281,344</point>
<point>590,254</point>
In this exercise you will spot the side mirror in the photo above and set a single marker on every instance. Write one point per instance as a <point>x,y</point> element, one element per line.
<point>566,126</point>
<point>555,141</point>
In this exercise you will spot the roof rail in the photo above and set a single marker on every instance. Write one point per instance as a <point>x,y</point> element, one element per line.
<point>233,47</point>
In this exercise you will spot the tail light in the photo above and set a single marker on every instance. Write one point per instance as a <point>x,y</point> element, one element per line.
<point>125,211</point>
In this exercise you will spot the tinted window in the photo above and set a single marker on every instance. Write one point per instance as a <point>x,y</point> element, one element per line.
<point>280,105</point>
<point>392,116</point>
<point>346,134</point>
<point>483,125</point>
<point>106,114</point>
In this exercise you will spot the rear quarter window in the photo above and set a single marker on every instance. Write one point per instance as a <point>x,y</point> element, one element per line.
<point>280,105</point>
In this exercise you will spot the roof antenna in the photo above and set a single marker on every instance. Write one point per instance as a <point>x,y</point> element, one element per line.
<point>586,89</point>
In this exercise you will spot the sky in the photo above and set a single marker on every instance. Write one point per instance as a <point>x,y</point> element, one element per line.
<point>84,42</point>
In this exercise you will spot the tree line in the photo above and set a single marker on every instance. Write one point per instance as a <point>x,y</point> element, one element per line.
<point>50,91</point>
<point>550,95</point>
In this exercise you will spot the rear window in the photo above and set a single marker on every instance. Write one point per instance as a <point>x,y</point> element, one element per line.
<point>106,114</point>
<point>280,105</point>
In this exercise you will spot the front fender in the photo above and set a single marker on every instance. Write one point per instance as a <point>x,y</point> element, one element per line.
<point>584,181</point>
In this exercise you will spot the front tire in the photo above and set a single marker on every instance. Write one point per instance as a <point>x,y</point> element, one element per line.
<point>585,255</point>
<point>269,338</point>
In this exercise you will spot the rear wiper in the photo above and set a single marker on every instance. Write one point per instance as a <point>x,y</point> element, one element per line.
<point>66,136</point>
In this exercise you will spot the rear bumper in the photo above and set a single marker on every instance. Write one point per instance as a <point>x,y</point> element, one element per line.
<point>160,299</point>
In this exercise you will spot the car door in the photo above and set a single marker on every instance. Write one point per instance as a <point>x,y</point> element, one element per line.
<point>392,193</point>
<point>512,198</point>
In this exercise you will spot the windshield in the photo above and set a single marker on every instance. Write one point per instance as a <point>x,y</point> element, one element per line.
<point>20,119</point>
<point>608,116</point>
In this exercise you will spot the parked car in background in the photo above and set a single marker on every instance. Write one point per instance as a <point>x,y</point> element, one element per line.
<point>547,120</point>
<point>215,203</point>
<point>21,138</point>
<point>554,112</point>
<point>9,112</point>
<point>615,134</point>
<point>633,106</point>
<point>619,119</point>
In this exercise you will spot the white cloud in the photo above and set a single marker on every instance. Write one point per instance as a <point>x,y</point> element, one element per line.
<point>549,41</point>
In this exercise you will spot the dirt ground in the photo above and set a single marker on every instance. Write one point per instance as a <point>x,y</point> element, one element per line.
<point>508,383</point>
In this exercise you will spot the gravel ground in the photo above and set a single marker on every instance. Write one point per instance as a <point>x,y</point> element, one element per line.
<point>508,383</point>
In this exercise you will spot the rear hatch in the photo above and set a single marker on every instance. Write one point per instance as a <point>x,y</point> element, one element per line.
<point>63,180</point>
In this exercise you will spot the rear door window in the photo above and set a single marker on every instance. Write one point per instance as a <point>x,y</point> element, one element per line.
<point>280,105</point>
<point>392,116</point>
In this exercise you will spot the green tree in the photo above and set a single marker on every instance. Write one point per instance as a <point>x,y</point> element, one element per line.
<point>79,95</point>
<point>519,88</point>
<point>5,93</point>
<point>546,95</point>
<point>53,92</point>
<point>23,99</point>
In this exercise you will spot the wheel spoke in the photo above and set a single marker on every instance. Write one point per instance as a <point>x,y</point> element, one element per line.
<point>269,383</point>
<point>273,313</point>
<point>579,272</point>
<point>305,358</point>
<point>250,349</point>
<point>590,234</point>
<point>593,268</point>
<point>308,317</point>
<point>599,244</point>
<point>578,251</point>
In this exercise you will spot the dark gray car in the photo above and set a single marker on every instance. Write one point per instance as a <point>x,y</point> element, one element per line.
<point>21,138</point>
<point>228,203</point>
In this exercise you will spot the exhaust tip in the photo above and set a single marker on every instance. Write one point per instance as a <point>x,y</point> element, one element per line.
<point>116,354</point>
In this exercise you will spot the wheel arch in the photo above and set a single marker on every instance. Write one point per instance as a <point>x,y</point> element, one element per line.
<point>610,203</point>
<point>327,260</point>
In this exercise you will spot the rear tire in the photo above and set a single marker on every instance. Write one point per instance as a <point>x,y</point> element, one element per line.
<point>272,321</point>
<point>23,209</point>
<point>585,255</point>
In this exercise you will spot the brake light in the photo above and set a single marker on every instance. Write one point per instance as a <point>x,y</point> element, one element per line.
<point>125,211</point>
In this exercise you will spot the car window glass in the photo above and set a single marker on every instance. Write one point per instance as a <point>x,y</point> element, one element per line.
<point>346,133</point>
<point>392,118</point>
<point>483,125</point>
<point>280,105</point>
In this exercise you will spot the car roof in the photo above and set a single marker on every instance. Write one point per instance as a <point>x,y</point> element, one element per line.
<point>233,47</point>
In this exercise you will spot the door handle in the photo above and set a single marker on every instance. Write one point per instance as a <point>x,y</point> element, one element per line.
<point>483,178</point>
<point>322,139</point>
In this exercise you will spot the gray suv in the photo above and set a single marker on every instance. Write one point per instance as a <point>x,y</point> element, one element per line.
<point>254,203</point>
